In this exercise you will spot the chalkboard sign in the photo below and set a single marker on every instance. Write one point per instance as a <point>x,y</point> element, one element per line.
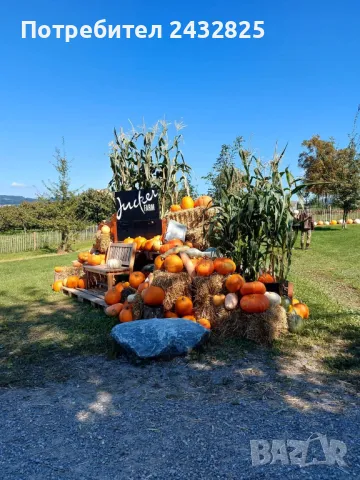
<point>138,213</point>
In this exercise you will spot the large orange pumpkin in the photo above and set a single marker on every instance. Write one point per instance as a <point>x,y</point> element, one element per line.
<point>187,202</point>
<point>175,208</point>
<point>266,278</point>
<point>82,283</point>
<point>254,303</point>
<point>153,296</point>
<point>253,287</point>
<point>183,306</point>
<point>112,296</point>
<point>114,310</point>
<point>173,264</point>
<point>158,262</point>
<point>205,323</point>
<point>224,266</point>
<point>205,267</point>
<point>203,201</point>
<point>136,278</point>
<point>126,314</point>
<point>302,310</point>
<point>57,286</point>
<point>234,283</point>
<point>72,281</point>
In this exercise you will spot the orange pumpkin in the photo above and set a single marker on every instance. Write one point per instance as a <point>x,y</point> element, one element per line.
<point>205,267</point>
<point>224,266</point>
<point>95,260</point>
<point>112,296</point>
<point>266,278</point>
<point>234,283</point>
<point>114,310</point>
<point>126,314</point>
<point>302,310</point>
<point>142,286</point>
<point>203,201</point>
<point>83,257</point>
<point>72,282</point>
<point>253,288</point>
<point>173,264</point>
<point>175,242</point>
<point>82,283</point>
<point>183,306</point>
<point>139,241</point>
<point>156,245</point>
<point>129,240</point>
<point>136,278</point>
<point>76,264</point>
<point>153,296</point>
<point>186,203</point>
<point>158,262</point>
<point>148,245</point>
<point>170,315</point>
<point>119,287</point>
<point>126,284</point>
<point>175,208</point>
<point>254,303</point>
<point>205,323</point>
<point>165,248</point>
<point>188,244</point>
<point>58,269</point>
<point>190,317</point>
<point>57,286</point>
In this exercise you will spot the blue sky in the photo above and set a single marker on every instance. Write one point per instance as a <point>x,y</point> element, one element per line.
<point>302,78</point>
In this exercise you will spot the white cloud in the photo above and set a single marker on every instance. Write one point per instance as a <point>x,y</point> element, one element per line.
<point>18,185</point>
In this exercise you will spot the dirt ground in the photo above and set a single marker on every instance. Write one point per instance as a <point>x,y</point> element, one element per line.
<point>180,419</point>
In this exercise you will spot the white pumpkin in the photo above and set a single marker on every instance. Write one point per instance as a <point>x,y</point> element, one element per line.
<point>274,298</point>
<point>231,301</point>
<point>340,221</point>
<point>327,223</point>
<point>114,263</point>
<point>357,221</point>
<point>131,298</point>
<point>315,223</point>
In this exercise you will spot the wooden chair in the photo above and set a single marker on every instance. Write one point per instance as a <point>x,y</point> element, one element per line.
<point>125,252</point>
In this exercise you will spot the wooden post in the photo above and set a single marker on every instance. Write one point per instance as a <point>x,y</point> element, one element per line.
<point>34,235</point>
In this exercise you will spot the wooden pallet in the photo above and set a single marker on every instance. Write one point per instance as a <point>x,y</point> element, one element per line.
<point>95,297</point>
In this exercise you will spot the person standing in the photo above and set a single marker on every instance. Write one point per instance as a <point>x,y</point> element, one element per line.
<point>306,227</point>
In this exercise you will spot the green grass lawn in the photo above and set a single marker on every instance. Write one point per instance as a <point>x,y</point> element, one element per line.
<point>40,328</point>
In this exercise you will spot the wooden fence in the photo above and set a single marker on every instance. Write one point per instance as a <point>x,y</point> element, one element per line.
<point>23,242</point>
<point>328,214</point>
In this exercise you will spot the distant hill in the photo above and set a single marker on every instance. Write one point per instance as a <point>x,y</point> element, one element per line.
<point>14,199</point>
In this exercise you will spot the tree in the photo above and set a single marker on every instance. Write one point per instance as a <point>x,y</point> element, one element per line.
<point>347,186</point>
<point>225,164</point>
<point>60,203</point>
<point>93,206</point>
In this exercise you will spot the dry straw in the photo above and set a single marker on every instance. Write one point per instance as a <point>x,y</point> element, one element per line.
<point>68,272</point>
<point>175,285</point>
<point>262,328</point>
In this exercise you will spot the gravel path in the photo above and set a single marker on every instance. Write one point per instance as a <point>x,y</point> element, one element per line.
<point>173,420</point>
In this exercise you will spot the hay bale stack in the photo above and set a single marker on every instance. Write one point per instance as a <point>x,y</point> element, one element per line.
<point>204,288</point>
<point>196,221</point>
<point>138,307</point>
<point>262,328</point>
<point>175,285</point>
